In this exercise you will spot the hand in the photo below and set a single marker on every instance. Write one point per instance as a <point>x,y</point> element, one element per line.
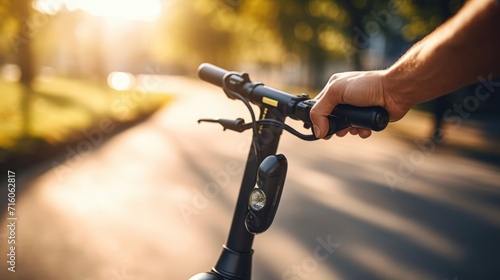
<point>447,59</point>
<point>361,89</point>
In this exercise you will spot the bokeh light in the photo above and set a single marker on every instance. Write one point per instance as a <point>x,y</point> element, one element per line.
<point>10,72</point>
<point>121,80</point>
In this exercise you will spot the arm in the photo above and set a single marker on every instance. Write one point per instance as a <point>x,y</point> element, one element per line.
<point>454,55</point>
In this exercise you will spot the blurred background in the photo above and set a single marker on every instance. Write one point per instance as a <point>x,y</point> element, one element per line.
<point>56,54</point>
<point>98,109</point>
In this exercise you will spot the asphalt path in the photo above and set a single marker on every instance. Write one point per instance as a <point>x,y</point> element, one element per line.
<point>155,202</point>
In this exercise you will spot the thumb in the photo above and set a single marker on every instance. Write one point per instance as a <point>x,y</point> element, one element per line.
<point>318,114</point>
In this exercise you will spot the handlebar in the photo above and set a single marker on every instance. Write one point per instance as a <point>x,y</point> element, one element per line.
<point>296,107</point>
<point>211,73</point>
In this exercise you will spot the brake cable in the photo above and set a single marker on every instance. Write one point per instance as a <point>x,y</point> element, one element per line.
<point>253,124</point>
<point>239,125</point>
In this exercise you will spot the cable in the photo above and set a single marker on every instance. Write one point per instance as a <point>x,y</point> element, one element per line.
<point>247,104</point>
<point>254,122</point>
<point>289,129</point>
<point>284,126</point>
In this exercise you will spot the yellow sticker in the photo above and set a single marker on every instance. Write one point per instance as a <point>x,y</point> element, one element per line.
<point>270,101</point>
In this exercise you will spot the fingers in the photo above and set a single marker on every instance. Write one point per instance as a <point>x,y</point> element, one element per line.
<point>343,132</point>
<point>319,113</point>
<point>363,133</point>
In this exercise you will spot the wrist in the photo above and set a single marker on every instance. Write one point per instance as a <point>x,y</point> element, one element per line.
<point>399,91</point>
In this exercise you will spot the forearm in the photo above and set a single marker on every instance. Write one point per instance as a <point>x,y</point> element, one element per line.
<point>465,47</point>
<point>456,54</point>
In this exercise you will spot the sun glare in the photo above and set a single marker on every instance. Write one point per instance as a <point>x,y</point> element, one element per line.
<point>142,10</point>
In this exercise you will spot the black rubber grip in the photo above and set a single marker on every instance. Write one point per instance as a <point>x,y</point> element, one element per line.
<point>374,118</point>
<point>211,73</point>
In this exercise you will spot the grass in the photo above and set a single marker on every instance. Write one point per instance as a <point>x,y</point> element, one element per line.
<point>58,109</point>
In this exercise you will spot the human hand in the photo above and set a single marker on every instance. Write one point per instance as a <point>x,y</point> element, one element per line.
<point>361,89</point>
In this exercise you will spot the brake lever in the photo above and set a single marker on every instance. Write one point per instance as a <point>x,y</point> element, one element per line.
<point>235,125</point>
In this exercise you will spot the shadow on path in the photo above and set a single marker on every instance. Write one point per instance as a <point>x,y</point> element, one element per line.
<point>135,208</point>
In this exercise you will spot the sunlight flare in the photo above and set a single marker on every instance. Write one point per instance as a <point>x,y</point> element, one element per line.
<point>140,10</point>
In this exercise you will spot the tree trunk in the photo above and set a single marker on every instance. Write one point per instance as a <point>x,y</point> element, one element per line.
<point>316,68</point>
<point>22,48</point>
<point>358,35</point>
<point>22,43</point>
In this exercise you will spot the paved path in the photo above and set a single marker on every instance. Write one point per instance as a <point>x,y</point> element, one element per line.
<point>155,202</point>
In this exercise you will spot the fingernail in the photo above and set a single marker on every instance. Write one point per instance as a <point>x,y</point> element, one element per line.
<point>316,131</point>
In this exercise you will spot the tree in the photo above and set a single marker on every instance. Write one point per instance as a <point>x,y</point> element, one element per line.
<point>21,44</point>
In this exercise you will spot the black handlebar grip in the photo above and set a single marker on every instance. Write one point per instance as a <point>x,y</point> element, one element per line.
<point>374,118</point>
<point>211,73</point>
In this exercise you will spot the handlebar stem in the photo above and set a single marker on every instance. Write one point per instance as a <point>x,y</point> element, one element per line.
<point>236,257</point>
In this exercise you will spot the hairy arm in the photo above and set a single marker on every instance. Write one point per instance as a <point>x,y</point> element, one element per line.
<point>454,55</point>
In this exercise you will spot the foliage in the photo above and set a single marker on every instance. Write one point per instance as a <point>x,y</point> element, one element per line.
<point>316,33</point>
<point>59,108</point>
<point>310,33</point>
